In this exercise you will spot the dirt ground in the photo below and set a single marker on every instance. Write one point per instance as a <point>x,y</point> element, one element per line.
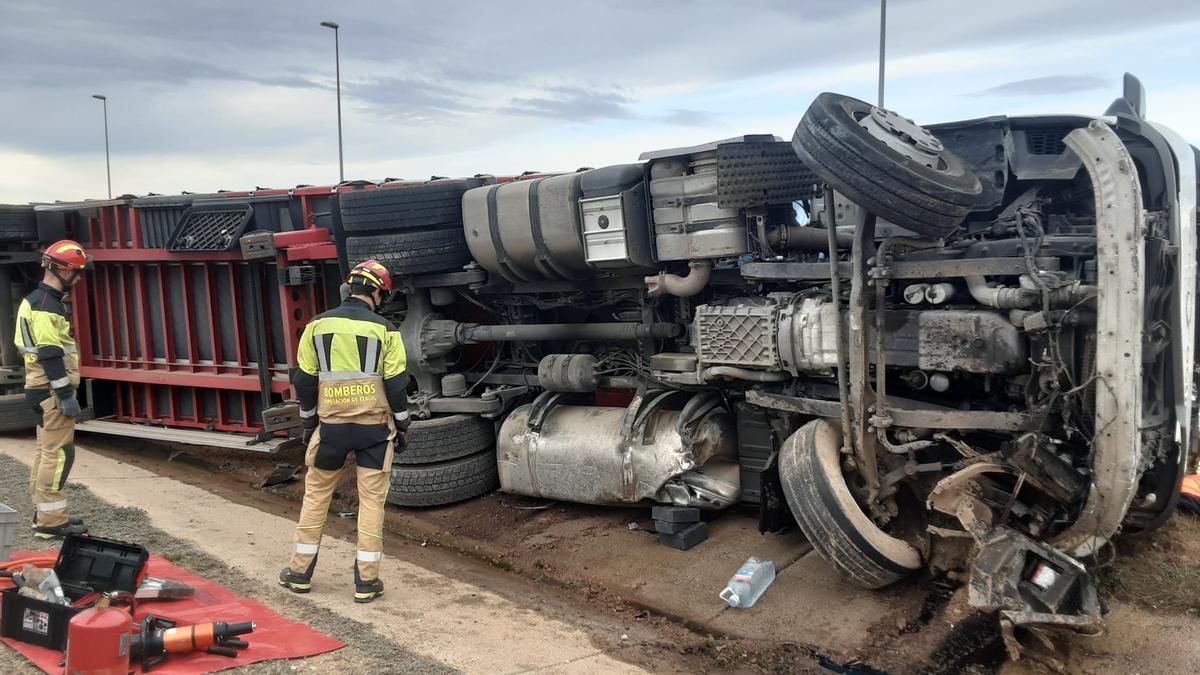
<point>601,570</point>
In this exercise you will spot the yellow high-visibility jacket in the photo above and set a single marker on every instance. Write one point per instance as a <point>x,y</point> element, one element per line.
<point>43,336</point>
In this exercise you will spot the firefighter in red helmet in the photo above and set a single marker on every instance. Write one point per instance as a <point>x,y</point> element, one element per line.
<point>352,386</point>
<point>44,338</point>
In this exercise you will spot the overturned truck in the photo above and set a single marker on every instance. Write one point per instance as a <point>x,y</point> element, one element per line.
<point>982,329</point>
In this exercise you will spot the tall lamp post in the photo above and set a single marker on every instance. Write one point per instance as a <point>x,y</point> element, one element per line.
<point>337,64</point>
<point>882,44</point>
<point>107,164</point>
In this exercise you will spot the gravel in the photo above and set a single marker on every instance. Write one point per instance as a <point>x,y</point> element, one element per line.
<point>366,651</point>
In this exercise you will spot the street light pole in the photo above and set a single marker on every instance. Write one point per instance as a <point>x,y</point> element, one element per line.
<point>882,44</point>
<point>107,164</point>
<point>337,61</point>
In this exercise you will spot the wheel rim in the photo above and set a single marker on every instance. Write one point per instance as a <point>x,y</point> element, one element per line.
<point>906,137</point>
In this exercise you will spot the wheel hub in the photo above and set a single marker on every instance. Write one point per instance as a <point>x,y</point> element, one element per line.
<point>904,136</point>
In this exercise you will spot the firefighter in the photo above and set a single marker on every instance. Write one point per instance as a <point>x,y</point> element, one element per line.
<point>44,339</point>
<point>351,384</point>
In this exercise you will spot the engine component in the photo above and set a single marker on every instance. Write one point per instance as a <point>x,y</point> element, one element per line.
<point>699,272</point>
<point>914,294</point>
<point>1027,296</point>
<point>599,455</point>
<point>613,208</point>
<point>527,230</point>
<point>939,294</point>
<point>568,372</point>
<point>688,221</point>
<point>947,340</point>
<point>939,382</point>
<point>753,333</point>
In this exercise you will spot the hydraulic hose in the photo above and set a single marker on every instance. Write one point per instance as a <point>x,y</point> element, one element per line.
<point>736,373</point>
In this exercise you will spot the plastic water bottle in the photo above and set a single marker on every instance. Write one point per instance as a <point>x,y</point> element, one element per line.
<point>749,583</point>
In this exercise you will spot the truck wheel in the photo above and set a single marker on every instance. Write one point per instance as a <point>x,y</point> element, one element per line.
<point>412,252</point>
<point>833,522</point>
<point>444,482</point>
<point>15,414</point>
<point>404,208</point>
<point>883,162</point>
<point>443,438</point>
<point>17,223</point>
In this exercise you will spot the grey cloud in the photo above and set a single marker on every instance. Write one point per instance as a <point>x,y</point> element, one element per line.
<point>1047,86</point>
<point>578,104</point>
<point>408,98</point>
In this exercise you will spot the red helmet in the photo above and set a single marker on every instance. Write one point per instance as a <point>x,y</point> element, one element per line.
<point>372,273</point>
<point>65,255</point>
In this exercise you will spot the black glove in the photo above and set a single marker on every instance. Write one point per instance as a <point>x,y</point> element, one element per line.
<point>310,425</point>
<point>70,407</point>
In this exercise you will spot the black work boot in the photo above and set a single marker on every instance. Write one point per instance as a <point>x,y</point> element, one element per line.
<point>366,591</point>
<point>58,531</point>
<point>73,520</point>
<point>296,583</point>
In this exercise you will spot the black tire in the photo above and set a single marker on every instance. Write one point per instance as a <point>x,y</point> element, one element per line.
<point>444,482</point>
<point>404,208</point>
<point>15,413</point>
<point>816,492</point>
<point>445,438</point>
<point>932,201</point>
<point>17,223</point>
<point>412,252</point>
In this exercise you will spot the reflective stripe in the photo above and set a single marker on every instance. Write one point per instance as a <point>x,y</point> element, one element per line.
<point>69,349</point>
<point>305,414</point>
<point>60,383</point>
<point>344,375</point>
<point>58,471</point>
<point>372,360</point>
<point>26,336</point>
<point>307,549</point>
<point>53,506</point>
<point>370,556</point>
<point>364,533</point>
<point>322,360</point>
<point>401,416</point>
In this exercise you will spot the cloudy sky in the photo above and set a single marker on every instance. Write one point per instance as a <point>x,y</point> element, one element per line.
<point>227,94</point>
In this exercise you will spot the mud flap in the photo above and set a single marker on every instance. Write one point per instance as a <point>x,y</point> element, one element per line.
<point>774,516</point>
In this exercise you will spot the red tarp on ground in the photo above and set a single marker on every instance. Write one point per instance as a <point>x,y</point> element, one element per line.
<point>274,637</point>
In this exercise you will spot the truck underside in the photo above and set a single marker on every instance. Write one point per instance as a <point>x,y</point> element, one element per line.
<point>891,334</point>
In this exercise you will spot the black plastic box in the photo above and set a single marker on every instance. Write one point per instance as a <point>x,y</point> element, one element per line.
<point>85,565</point>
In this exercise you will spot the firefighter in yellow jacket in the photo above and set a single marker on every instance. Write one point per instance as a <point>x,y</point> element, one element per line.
<point>43,336</point>
<point>350,377</point>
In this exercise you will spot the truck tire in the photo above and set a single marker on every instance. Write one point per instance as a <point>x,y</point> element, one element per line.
<point>444,482</point>
<point>816,491</point>
<point>897,170</point>
<point>17,223</point>
<point>15,413</point>
<point>412,252</point>
<point>444,438</point>
<point>405,208</point>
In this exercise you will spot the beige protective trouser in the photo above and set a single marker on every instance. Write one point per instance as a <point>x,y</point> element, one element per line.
<point>373,485</point>
<point>52,464</point>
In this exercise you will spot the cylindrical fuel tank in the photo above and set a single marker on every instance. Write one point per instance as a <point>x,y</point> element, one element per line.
<point>527,230</point>
<point>581,453</point>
